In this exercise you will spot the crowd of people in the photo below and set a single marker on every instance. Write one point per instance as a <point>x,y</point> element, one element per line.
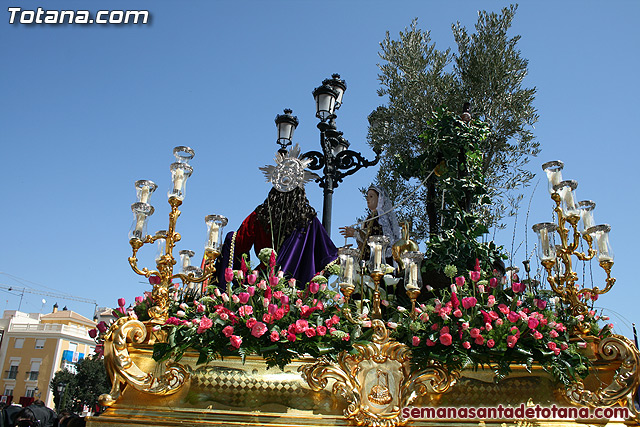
<point>37,415</point>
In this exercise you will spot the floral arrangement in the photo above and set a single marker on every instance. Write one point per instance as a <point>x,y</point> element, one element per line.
<point>265,314</point>
<point>481,320</point>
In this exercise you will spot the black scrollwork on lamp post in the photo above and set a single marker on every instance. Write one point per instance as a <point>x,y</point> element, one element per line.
<point>336,160</point>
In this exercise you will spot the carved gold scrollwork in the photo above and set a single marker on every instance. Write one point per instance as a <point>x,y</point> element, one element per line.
<point>376,380</point>
<point>122,370</point>
<point>626,379</point>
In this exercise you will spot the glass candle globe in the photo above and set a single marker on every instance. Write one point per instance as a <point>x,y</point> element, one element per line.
<point>141,213</point>
<point>215,226</point>
<point>179,174</point>
<point>600,234</point>
<point>554,175</point>
<point>586,208</point>
<point>412,276</point>
<point>348,262</point>
<point>567,191</point>
<point>546,246</point>
<point>144,189</point>
<point>161,240</point>
<point>378,245</point>
<point>183,154</point>
<point>185,258</point>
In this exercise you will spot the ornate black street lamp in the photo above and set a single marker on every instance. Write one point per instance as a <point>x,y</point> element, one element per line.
<point>336,160</point>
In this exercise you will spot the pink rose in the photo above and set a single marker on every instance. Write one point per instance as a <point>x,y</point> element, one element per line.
<point>245,310</point>
<point>493,283</point>
<point>479,340</point>
<point>466,345</point>
<point>446,339</point>
<point>457,313</point>
<point>415,341</point>
<point>291,337</point>
<point>430,343</point>
<point>542,304</point>
<point>93,333</point>
<point>563,346</point>
<point>460,281</point>
<point>243,297</point>
<point>273,280</point>
<point>224,316</point>
<point>200,308</point>
<point>533,322</point>
<point>513,316</point>
<point>310,332</point>
<point>314,287</point>
<point>474,275</point>
<point>205,323</point>
<point>517,287</point>
<point>322,330</point>
<point>236,341</point>
<point>469,302</point>
<point>552,345</point>
<point>511,341</point>
<point>553,334</point>
<point>491,343</point>
<point>475,332</point>
<point>274,336</point>
<point>228,274</point>
<point>139,300</point>
<point>301,326</point>
<point>227,331</point>
<point>465,326</point>
<point>503,309</point>
<point>537,335</point>
<point>267,318</point>
<point>258,329</point>
<point>498,322</point>
<point>271,308</point>
<point>251,322</point>
<point>481,289</point>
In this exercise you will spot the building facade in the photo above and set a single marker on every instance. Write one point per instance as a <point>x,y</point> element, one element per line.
<point>33,347</point>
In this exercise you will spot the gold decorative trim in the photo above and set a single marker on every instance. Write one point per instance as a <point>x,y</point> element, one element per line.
<point>376,380</point>
<point>624,385</point>
<point>122,370</point>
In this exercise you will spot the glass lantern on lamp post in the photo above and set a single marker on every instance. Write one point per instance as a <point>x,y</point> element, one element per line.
<point>336,160</point>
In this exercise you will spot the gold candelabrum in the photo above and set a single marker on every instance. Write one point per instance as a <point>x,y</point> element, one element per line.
<point>410,260</point>
<point>574,222</point>
<point>162,277</point>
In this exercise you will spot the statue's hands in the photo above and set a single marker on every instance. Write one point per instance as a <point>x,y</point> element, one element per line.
<point>348,231</point>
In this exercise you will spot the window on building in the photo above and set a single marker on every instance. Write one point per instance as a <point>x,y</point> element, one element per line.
<point>8,391</point>
<point>31,391</point>
<point>73,347</point>
<point>19,343</point>
<point>12,373</point>
<point>35,369</point>
<point>40,343</point>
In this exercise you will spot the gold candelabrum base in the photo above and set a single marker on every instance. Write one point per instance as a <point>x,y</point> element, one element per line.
<point>164,267</point>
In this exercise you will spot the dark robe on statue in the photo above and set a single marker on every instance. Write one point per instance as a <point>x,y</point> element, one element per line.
<point>305,252</point>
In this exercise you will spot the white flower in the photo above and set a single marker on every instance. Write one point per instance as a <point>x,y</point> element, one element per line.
<point>401,309</point>
<point>392,325</point>
<point>180,313</point>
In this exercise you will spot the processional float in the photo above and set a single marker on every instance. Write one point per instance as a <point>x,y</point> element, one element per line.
<point>373,381</point>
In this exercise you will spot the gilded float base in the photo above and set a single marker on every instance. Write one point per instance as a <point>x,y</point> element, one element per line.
<point>230,393</point>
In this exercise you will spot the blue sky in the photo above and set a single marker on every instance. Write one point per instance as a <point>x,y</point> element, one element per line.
<point>88,110</point>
